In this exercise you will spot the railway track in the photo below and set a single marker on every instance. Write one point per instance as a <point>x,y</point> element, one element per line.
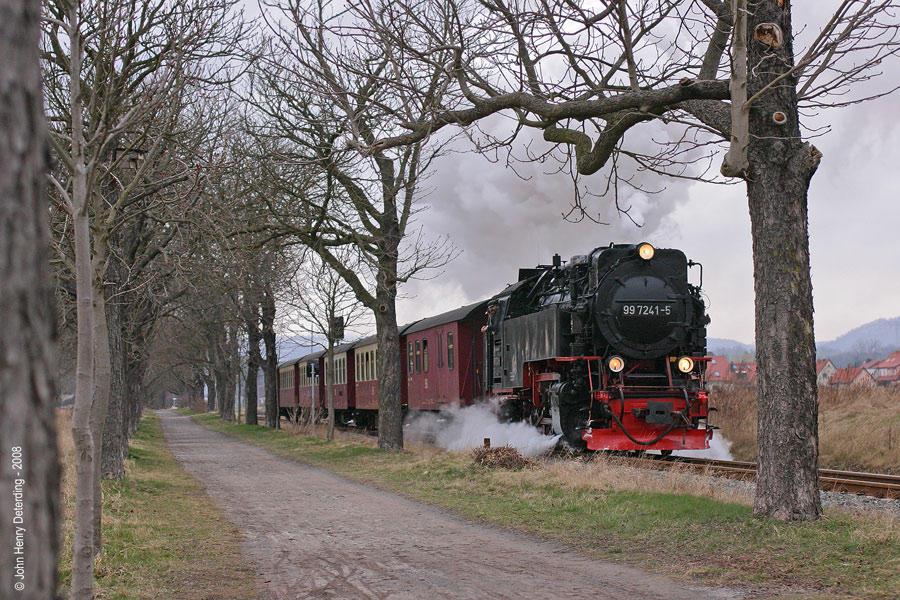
<point>869,484</point>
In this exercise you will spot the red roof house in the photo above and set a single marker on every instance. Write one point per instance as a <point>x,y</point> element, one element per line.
<point>825,370</point>
<point>718,371</point>
<point>853,377</point>
<point>890,365</point>
<point>743,372</point>
<point>871,366</point>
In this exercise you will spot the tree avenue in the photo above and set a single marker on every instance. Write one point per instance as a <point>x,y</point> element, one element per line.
<point>588,76</point>
<point>316,83</point>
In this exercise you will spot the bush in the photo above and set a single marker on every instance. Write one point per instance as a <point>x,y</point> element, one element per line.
<point>503,457</point>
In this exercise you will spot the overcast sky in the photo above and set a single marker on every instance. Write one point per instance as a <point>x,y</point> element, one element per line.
<point>502,222</point>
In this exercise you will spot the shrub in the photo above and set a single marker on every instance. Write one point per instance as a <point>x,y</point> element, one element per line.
<point>502,457</point>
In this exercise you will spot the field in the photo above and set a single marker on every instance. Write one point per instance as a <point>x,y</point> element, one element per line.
<point>684,526</point>
<point>163,538</point>
<point>859,429</point>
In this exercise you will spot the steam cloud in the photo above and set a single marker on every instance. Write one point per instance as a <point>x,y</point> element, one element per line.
<point>462,429</point>
<point>505,218</point>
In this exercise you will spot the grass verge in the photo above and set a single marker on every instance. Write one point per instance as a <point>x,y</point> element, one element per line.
<point>610,512</point>
<point>163,537</point>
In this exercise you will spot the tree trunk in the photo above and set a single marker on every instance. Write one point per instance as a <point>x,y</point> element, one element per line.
<point>115,439</point>
<point>781,167</point>
<point>28,335</point>
<point>102,381</point>
<point>210,394</point>
<point>271,365</point>
<point>390,407</point>
<point>114,446</point>
<point>252,397</point>
<point>254,360</point>
<point>83,554</point>
<point>137,399</point>
<point>329,383</point>
<point>222,395</point>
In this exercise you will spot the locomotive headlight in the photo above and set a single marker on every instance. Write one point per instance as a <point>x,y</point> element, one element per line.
<point>646,251</point>
<point>685,364</point>
<point>616,364</point>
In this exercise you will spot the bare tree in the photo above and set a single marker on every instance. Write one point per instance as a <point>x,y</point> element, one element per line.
<point>319,296</point>
<point>590,75</point>
<point>117,78</point>
<point>29,473</point>
<point>313,89</point>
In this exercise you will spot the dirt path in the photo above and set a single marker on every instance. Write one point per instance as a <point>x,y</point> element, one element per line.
<point>312,534</point>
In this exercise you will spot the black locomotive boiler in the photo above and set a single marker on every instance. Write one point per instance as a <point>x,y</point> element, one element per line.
<point>607,350</point>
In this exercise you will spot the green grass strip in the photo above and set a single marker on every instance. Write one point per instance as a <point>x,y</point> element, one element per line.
<point>684,536</point>
<point>163,537</point>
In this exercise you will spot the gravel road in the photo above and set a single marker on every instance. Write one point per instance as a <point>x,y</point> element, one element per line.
<point>311,534</point>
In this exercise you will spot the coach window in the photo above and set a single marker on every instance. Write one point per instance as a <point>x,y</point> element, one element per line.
<point>424,355</point>
<point>450,357</point>
<point>412,359</point>
<point>375,363</point>
<point>418,356</point>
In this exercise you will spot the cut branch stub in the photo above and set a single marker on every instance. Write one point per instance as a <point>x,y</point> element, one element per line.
<point>769,34</point>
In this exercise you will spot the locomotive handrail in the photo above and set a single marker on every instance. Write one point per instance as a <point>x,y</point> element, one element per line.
<point>696,264</point>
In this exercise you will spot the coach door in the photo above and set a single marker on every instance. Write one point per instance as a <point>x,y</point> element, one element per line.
<point>437,368</point>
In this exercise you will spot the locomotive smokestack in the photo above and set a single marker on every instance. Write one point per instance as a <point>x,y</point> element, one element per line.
<point>557,261</point>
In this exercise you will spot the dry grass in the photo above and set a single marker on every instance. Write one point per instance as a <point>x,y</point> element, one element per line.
<point>502,457</point>
<point>859,428</point>
<point>612,474</point>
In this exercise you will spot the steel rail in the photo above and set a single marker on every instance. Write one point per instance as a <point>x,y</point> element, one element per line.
<point>879,485</point>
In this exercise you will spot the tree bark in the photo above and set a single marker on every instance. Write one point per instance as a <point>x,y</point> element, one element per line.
<point>270,371</point>
<point>254,361</point>
<point>390,407</point>
<point>82,555</point>
<point>114,446</point>
<point>210,394</point>
<point>102,381</point>
<point>252,396</point>
<point>781,166</point>
<point>28,335</point>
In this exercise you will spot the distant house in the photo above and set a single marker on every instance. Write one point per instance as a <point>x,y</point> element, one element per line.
<point>743,373</point>
<point>871,366</point>
<point>825,370</point>
<point>853,377</point>
<point>889,367</point>
<point>718,371</point>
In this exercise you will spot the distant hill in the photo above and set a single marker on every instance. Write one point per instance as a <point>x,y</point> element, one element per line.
<point>872,340</point>
<point>733,349</point>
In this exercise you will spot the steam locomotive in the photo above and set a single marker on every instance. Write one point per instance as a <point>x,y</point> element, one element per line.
<point>606,350</point>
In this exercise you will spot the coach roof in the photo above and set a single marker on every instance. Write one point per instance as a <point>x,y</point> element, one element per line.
<point>459,314</point>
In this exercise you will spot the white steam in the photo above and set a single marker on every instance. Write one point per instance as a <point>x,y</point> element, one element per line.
<point>719,449</point>
<point>462,429</point>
